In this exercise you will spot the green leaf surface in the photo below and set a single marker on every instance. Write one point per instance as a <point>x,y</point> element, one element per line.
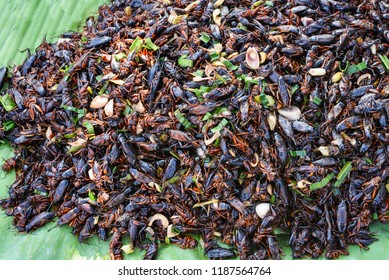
<point>7,102</point>
<point>25,24</point>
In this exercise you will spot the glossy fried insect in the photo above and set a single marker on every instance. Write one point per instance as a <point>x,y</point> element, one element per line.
<point>39,221</point>
<point>220,253</point>
<point>8,165</point>
<point>151,252</point>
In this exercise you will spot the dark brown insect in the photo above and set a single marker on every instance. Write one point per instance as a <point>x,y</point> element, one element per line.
<point>186,242</point>
<point>39,221</point>
<point>8,165</point>
<point>151,252</point>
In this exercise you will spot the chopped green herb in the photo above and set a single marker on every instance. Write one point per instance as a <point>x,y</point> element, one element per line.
<point>128,249</point>
<point>175,230</point>
<point>200,91</point>
<point>247,80</point>
<point>322,183</point>
<point>91,195</point>
<point>198,73</point>
<point>352,69</point>
<point>217,142</point>
<point>257,98</point>
<point>301,194</point>
<point>89,89</point>
<point>298,153</point>
<point>173,180</point>
<point>117,57</point>
<point>135,46</point>
<point>204,89</point>
<point>128,110</point>
<point>220,126</point>
<point>256,4</point>
<point>242,27</point>
<point>54,87</point>
<point>127,178</point>
<point>345,68</point>
<point>294,88</point>
<point>103,89</point>
<point>185,62</point>
<point>279,231</point>
<point>219,110</point>
<point>306,101</point>
<point>272,199</point>
<point>263,86</point>
<point>265,100</point>
<point>74,149</point>
<point>8,125</point>
<point>70,135</point>
<point>220,78</point>
<point>214,56</point>
<point>242,176</point>
<point>65,68</point>
<point>343,174</point>
<point>205,37</point>
<point>73,109</point>
<point>368,160</point>
<point>41,193</point>
<point>385,62</point>
<point>199,95</point>
<point>317,101</point>
<point>150,45</point>
<point>187,124</point>
<point>158,187</point>
<point>229,65</point>
<point>80,112</point>
<point>89,127</point>
<point>174,154</point>
<point>7,102</point>
<point>207,116</point>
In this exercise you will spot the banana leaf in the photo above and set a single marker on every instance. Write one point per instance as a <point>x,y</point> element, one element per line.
<point>24,25</point>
